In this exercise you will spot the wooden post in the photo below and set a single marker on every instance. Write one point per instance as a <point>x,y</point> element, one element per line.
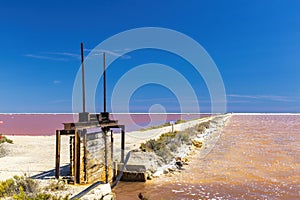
<point>57,160</point>
<point>112,150</point>
<point>72,155</point>
<point>106,154</point>
<point>122,143</point>
<point>85,154</point>
<point>76,158</point>
<point>112,145</point>
<point>172,124</point>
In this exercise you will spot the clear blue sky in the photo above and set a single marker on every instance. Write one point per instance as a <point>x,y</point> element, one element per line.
<point>255,45</point>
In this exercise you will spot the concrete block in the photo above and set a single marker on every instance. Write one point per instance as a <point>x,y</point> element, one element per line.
<point>105,189</point>
<point>132,168</point>
<point>134,176</point>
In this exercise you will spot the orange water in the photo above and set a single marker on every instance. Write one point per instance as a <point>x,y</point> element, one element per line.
<point>256,157</point>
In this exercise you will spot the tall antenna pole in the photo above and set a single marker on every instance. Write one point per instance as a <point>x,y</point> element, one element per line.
<point>83,85</point>
<point>104,82</point>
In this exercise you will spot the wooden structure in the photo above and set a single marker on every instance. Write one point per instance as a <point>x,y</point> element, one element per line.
<point>91,151</point>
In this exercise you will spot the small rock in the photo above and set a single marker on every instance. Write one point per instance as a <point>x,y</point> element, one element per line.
<point>185,160</point>
<point>171,169</point>
<point>109,197</point>
<point>197,143</point>
<point>149,176</point>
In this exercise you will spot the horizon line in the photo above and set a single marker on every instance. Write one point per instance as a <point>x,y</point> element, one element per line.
<point>143,113</point>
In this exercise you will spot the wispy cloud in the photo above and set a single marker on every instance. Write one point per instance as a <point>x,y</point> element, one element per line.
<point>56,82</point>
<point>45,57</point>
<point>67,56</point>
<point>64,54</point>
<point>263,97</point>
<point>113,53</point>
<point>56,56</point>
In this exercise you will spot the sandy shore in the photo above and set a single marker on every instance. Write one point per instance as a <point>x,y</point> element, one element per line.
<point>31,155</point>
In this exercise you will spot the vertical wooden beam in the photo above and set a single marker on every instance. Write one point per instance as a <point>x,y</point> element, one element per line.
<point>122,143</point>
<point>76,158</point>
<point>106,154</point>
<point>57,160</point>
<point>85,154</point>
<point>72,155</point>
<point>112,150</point>
<point>112,145</point>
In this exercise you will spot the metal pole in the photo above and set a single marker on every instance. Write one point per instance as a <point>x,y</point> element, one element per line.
<point>83,85</point>
<point>104,81</point>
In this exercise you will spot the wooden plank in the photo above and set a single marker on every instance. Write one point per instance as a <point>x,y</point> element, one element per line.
<point>106,155</point>
<point>67,132</point>
<point>122,144</point>
<point>76,158</point>
<point>57,160</point>
<point>112,150</point>
<point>94,136</point>
<point>72,155</point>
<point>85,153</point>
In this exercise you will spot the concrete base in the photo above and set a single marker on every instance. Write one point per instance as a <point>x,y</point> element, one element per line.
<point>133,173</point>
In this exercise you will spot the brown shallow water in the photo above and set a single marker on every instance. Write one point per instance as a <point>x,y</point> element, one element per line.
<point>256,157</point>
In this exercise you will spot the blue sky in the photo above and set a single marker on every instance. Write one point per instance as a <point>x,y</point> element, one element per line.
<point>255,45</point>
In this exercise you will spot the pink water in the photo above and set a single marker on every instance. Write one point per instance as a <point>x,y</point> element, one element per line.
<point>256,157</point>
<point>47,124</point>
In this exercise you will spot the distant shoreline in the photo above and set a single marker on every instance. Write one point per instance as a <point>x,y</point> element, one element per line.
<point>235,113</point>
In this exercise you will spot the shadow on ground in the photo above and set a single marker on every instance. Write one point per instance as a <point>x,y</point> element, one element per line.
<point>64,171</point>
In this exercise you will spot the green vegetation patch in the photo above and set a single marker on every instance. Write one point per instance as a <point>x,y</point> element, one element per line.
<point>203,126</point>
<point>4,139</point>
<point>180,121</point>
<point>155,127</point>
<point>162,125</point>
<point>25,188</point>
<point>168,143</point>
